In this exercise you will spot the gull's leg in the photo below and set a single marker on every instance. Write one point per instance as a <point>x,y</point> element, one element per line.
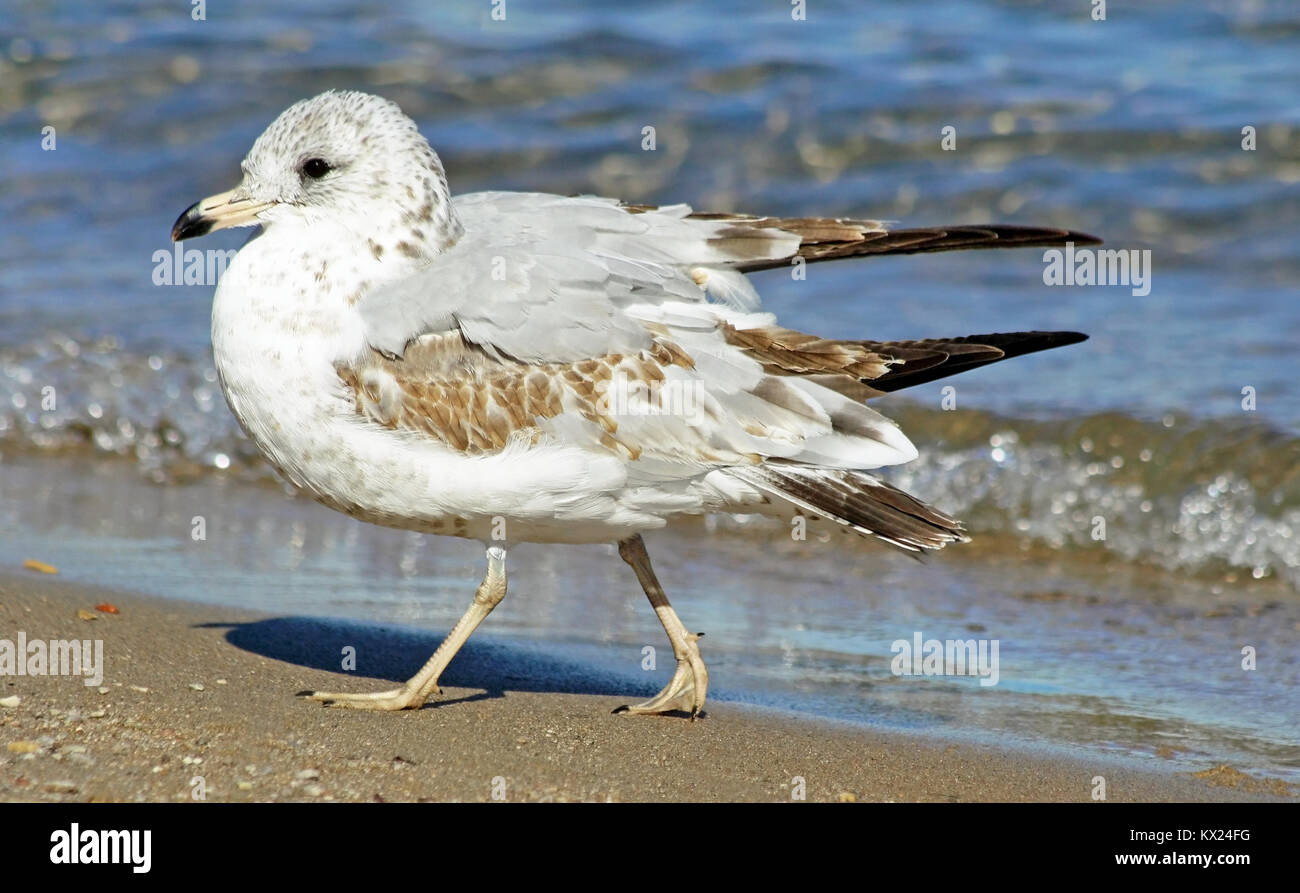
<point>424,683</point>
<point>690,682</point>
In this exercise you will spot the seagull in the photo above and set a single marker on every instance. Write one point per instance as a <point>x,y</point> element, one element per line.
<point>516,367</point>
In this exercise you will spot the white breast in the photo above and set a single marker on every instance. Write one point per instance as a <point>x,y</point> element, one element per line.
<point>275,341</point>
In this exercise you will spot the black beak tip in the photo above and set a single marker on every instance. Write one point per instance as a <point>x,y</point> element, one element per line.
<point>190,224</point>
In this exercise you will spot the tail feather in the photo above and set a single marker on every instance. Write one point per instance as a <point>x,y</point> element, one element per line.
<point>858,501</point>
<point>860,370</point>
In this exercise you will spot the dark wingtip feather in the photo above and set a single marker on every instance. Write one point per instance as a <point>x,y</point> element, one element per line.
<point>1008,345</point>
<point>1015,344</point>
<point>747,239</point>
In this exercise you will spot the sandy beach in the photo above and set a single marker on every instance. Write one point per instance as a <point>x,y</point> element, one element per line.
<point>193,691</point>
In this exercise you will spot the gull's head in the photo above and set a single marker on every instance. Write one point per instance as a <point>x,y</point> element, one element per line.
<point>348,158</point>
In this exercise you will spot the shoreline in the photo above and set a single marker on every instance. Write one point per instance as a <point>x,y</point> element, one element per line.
<point>198,691</point>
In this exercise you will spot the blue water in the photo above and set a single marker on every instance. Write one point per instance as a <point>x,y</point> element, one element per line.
<point>1129,128</point>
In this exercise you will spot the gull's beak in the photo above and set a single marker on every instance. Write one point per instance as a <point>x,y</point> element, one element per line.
<point>233,208</point>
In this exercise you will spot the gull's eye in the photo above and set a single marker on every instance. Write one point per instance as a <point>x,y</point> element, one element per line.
<point>316,168</point>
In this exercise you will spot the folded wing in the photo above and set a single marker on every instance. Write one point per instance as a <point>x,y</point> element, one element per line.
<point>586,322</point>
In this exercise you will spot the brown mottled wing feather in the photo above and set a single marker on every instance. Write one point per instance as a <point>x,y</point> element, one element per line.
<point>459,395</point>
<point>788,352</point>
<point>824,238</point>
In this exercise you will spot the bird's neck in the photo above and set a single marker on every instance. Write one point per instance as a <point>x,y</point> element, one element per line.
<point>419,224</point>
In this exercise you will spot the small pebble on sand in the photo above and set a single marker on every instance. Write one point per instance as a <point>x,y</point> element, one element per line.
<point>40,566</point>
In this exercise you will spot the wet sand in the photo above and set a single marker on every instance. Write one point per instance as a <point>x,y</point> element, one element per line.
<point>197,691</point>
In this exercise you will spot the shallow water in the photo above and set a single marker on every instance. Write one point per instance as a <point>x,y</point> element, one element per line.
<point>1129,129</point>
<point>1094,652</point>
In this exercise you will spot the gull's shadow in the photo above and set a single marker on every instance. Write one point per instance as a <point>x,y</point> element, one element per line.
<point>392,653</point>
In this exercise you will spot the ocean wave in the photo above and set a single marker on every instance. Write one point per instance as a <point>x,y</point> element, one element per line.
<point>1191,494</point>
